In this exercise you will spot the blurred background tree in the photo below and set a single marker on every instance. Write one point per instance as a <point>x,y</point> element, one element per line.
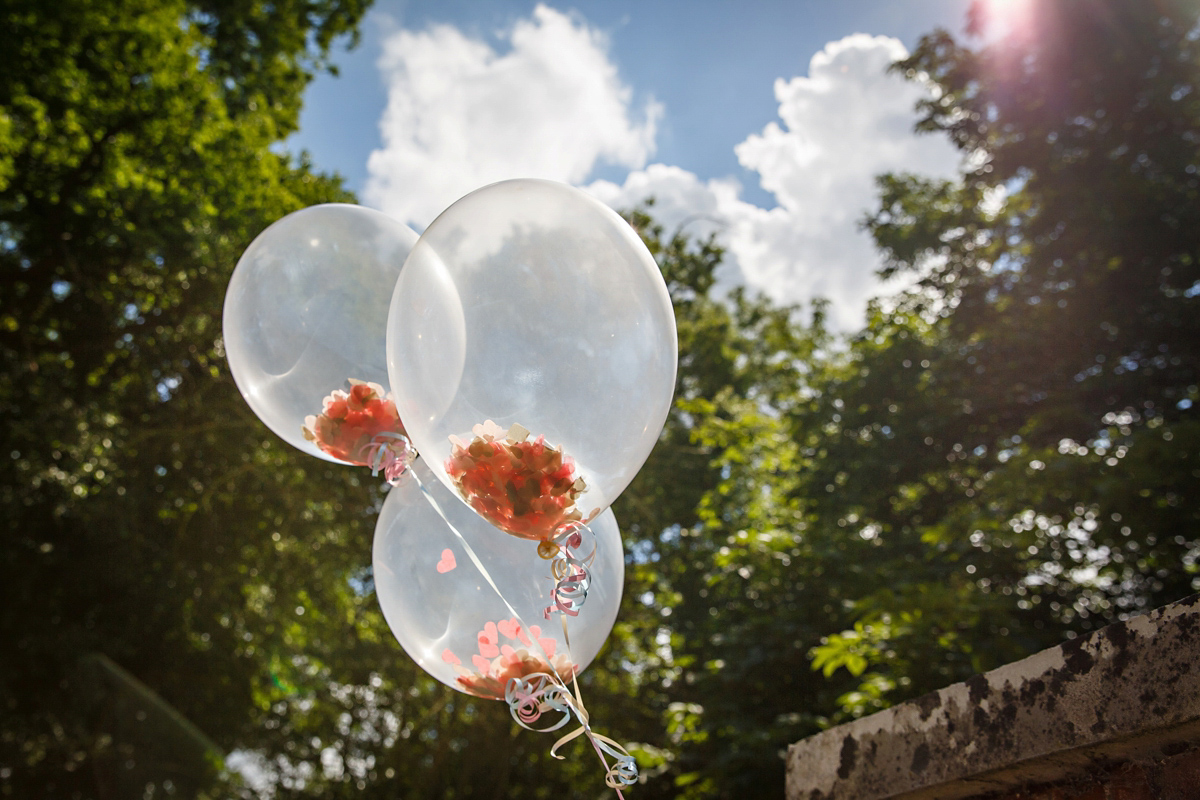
<point>1005,456</point>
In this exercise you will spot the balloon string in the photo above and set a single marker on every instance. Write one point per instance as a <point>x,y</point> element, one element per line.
<point>624,771</point>
<point>529,697</point>
<point>532,695</point>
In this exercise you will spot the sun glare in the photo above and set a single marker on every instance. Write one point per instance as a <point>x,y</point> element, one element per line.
<point>1004,19</point>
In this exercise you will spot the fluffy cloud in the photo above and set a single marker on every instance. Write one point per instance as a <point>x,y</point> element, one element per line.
<point>844,123</point>
<point>460,115</point>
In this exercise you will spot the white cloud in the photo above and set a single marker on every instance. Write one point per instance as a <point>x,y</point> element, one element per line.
<point>460,115</point>
<point>844,123</point>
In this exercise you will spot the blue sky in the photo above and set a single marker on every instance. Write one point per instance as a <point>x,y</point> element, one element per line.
<point>762,122</point>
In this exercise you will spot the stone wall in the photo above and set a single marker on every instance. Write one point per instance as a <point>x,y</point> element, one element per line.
<point>1170,778</point>
<point>1080,721</point>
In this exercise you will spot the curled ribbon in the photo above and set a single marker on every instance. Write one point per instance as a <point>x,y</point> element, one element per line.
<point>535,694</point>
<point>389,452</point>
<point>571,571</point>
<point>539,693</point>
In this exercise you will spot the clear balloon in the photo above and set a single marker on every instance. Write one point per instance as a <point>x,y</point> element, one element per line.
<point>532,352</point>
<point>453,623</point>
<point>304,327</point>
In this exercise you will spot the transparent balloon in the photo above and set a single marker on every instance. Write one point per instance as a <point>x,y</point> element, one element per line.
<point>532,353</point>
<point>451,620</point>
<point>305,322</point>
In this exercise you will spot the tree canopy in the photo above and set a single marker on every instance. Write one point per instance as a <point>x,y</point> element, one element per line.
<point>1006,455</point>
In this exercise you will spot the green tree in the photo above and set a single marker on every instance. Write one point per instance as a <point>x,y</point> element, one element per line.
<point>1055,312</point>
<point>1006,454</point>
<point>134,166</point>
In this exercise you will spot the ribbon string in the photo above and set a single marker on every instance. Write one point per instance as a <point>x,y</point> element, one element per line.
<point>624,770</point>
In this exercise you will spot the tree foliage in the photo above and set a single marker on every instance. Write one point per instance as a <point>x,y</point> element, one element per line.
<point>140,497</point>
<point>1005,455</point>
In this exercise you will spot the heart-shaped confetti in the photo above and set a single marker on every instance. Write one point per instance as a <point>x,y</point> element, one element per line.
<point>447,563</point>
<point>508,628</point>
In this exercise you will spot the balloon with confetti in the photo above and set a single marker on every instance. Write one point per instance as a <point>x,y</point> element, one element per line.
<point>467,605</point>
<point>532,352</point>
<point>304,329</point>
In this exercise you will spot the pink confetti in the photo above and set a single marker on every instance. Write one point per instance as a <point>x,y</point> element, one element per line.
<point>447,563</point>
<point>449,657</point>
<point>481,663</point>
<point>548,645</point>
<point>499,472</point>
<point>487,641</point>
<point>509,628</point>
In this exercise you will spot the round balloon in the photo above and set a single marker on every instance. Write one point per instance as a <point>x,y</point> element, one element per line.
<point>532,353</point>
<point>304,328</point>
<point>452,622</point>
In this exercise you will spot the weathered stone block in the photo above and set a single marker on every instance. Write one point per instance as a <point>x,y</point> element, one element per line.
<point>1126,692</point>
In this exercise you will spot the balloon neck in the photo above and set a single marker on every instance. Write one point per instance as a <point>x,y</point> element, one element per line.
<point>390,453</point>
<point>547,549</point>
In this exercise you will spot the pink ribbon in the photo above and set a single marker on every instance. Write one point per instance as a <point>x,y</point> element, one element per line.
<point>388,452</point>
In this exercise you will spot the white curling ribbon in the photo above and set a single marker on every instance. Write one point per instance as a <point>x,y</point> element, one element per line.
<point>572,572</point>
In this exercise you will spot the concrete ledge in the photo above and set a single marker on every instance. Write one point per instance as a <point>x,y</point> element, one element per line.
<point>1125,692</point>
